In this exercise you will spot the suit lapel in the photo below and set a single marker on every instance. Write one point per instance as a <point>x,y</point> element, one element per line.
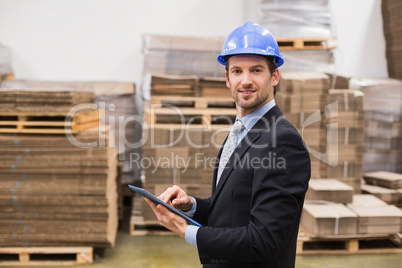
<point>263,124</point>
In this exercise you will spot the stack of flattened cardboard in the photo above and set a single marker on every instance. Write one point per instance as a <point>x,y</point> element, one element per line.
<point>385,179</point>
<point>385,185</point>
<point>58,190</point>
<point>163,84</point>
<point>42,100</point>
<point>391,11</point>
<point>375,216</point>
<point>331,190</point>
<point>213,87</point>
<point>345,136</point>
<point>328,220</point>
<point>390,196</point>
<point>116,99</point>
<point>301,96</point>
<point>179,156</point>
<point>382,104</point>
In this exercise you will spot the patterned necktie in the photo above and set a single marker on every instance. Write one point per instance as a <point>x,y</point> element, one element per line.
<point>229,147</point>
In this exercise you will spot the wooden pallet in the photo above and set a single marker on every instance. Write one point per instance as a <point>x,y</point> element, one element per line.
<point>194,102</point>
<point>189,116</point>
<point>139,227</point>
<point>363,244</point>
<point>306,43</point>
<point>45,256</point>
<point>48,122</point>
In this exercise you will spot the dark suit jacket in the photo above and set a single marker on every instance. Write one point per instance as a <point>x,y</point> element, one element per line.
<point>253,214</point>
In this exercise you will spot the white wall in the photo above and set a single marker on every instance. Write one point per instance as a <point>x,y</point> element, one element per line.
<point>100,40</point>
<point>361,42</point>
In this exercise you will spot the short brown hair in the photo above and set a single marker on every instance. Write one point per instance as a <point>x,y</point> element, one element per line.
<point>270,62</point>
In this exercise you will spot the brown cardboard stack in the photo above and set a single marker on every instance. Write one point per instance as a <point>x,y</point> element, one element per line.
<point>391,11</point>
<point>385,179</point>
<point>323,220</point>
<point>116,99</point>
<point>301,96</point>
<point>380,220</point>
<point>345,130</point>
<point>181,156</point>
<point>385,185</point>
<point>213,87</point>
<point>163,84</point>
<point>187,101</point>
<point>39,100</point>
<point>331,190</point>
<point>375,216</point>
<point>58,190</point>
<point>382,104</point>
<point>390,196</point>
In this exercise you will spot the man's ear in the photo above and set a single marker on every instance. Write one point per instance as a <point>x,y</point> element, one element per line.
<point>227,79</point>
<point>275,77</point>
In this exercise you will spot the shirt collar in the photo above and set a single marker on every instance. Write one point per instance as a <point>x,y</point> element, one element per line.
<point>250,119</point>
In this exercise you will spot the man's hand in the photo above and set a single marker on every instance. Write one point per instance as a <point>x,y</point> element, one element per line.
<point>177,198</point>
<point>168,219</point>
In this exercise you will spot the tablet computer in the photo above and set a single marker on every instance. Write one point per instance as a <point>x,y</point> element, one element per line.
<point>156,200</point>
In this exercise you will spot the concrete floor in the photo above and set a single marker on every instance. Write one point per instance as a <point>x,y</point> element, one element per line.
<point>168,251</point>
<point>174,252</point>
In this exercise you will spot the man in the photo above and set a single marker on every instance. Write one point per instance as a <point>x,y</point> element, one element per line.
<point>253,215</point>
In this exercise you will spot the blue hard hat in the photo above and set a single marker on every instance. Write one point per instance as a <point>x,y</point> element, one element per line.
<point>251,38</point>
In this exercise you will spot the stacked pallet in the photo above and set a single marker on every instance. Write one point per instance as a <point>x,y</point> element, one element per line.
<point>301,97</point>
<point>55,193</point>
<point>382,104</point>
<point>366,215</point>
<point>56,190</point>
<point>345,129</point>
<point>366,225</point>
<point>184,85</point>
<point>116,99</point>
<point>391,10</point>
<point>385,185</point>
<point>304,32</point>
<point>47,111</point>
<point>182,137</point>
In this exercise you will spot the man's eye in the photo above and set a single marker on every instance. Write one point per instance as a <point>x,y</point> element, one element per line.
<point>236,71</point>
<point>257,70</point>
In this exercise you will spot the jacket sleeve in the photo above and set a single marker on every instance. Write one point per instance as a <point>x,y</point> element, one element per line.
<point>276,203</point>
<point>201,214</point>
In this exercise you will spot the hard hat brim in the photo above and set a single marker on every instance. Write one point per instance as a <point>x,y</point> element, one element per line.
<point>278,60</point>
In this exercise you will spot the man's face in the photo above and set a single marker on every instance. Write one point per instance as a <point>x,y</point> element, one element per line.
<point>250,82</point>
